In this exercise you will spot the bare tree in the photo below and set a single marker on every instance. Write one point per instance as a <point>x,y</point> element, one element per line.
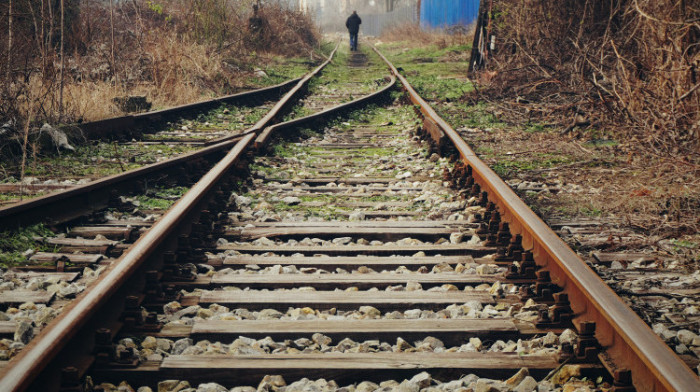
<point>60,93</point>
<point>111,27</point>
<point>9,41</point>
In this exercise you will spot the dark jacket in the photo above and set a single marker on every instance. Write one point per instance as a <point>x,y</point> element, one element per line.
<point>353,23</point>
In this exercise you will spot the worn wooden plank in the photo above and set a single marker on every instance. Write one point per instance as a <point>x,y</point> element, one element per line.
<point>79,242</point>
<point>32,188</point>
<point>341,299</point>
<point>350,367</point>
<point>359,204</point>
<point>48,257</point>
<point>110,232</point>
<point>367,224</point>
<point>445,249</point>
<point>328,189</point>
<point>17,297</point>
<point>351,262</point>
<point>127,222</point>
<point>381,360</point>
<point>451,331</point>
<point>625,258</point>
<point>7,328</point>
<point>345,280</point>
<point>385,234</point>
<point>315,181</point>
<point>64,276</point>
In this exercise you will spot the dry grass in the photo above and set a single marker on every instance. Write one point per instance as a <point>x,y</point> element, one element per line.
<point>630,66</point>
<point>423,37</point>
<point>172,51</point>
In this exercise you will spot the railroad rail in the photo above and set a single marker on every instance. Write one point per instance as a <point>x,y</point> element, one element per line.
<point>96,195</point>
<point>447,274</point>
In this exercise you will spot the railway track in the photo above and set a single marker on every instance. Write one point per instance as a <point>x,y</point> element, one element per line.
<point>347,255</point>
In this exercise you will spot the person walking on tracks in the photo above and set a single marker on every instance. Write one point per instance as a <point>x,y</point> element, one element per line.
<point>353,24</point>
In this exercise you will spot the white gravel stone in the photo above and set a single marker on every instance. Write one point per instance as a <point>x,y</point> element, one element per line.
<point>686,337</point>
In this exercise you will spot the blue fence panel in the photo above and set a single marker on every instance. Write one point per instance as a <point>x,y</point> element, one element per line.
<point>445,13</point>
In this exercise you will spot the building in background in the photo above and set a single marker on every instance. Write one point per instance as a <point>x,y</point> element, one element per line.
<point>378,15</point>
<point>448,13</point>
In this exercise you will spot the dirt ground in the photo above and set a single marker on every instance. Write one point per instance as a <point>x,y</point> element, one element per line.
<point>585,175</point>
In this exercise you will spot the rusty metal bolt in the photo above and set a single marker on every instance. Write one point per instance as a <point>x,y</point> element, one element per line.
<point>132,312</point>
<point>104,349</point>
<point>501,255</point>
<point>152,318</point>
<point>476,190</point>
<point>484,199</point>
<point>491,240</point>
<point>153,288</point>
<point>622,381</point>
<point>587,346</point>
<point>516,244</point>
<point>504,234</point>
<point>561,310</point>
<point>70,380</point>
<point>528,267</point>
<point>483,229</point>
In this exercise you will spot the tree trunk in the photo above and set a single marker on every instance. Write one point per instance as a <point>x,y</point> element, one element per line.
<point>60,93</point>
<point>9,42</point>
<point>111,27</point>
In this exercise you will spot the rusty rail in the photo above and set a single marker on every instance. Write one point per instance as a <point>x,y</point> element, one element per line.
<point>113,127</point>
<point>626,339</point>
<point>22,370</point>
<point>74,202</point>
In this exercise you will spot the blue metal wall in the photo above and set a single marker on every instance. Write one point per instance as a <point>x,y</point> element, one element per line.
<point>445,13</point>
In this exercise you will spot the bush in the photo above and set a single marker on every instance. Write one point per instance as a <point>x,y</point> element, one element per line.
<point>631,64</point>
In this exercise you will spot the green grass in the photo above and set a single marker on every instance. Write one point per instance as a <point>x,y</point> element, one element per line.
<point>160,198</point>
<point>15,242</point>
<point>683,244</point>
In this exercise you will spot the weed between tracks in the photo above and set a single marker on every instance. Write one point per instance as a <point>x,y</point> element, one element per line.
<point>14,244</point>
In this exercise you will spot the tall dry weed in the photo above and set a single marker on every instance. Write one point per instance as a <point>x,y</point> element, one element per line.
<point>172,51</point>
<point>458,35</point>
<point>631,65</point>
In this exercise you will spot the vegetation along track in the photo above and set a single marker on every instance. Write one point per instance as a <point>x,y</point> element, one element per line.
<point>346,258</point>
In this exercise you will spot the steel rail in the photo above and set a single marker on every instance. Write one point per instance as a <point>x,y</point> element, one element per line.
<point>39,352</point>
<point>264,137</point>
<point>71,203</point>
<point>628,341</point>
<point>21,370</point>
<point>106,128</point>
